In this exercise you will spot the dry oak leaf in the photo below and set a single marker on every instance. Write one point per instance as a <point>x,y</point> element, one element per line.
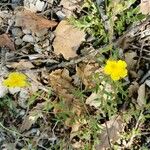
<point>145,7</point>
<point>22,65</point>
<point>60,82</point>
<point>68,39</point>
<point>85,72</point>
<point>5,41</point>
<point>32,21</point>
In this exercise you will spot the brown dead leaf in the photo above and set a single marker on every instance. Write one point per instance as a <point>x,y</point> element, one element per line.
<point>6,41</point>
<point>145,7</point>
<point>32,21</point>
<point>68,39</point>
<point>60,82</point>
<point>85,72</point>
<point>110,132</point>
<point>22,64</point>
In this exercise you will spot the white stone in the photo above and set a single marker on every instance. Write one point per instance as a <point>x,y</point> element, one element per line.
<point>28,38</point>
<point>40,5</point>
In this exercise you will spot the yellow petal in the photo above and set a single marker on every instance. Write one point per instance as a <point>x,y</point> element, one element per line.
<point>122,64</point>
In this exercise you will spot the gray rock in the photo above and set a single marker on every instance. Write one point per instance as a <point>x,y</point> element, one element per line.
<point>28,38</point>
<point>17,32</point>
<point>18,41</point>
<point>60,15</point>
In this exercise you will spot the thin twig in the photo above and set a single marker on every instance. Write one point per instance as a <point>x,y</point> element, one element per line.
<point>10,131</point>
<point>108,135</point>
<point>128,145</point>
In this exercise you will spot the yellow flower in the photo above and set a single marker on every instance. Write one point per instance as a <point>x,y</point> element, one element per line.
<point>16,79</point>
<point>116,69</point>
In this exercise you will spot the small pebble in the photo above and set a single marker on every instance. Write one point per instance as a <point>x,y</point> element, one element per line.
<point>40,5</point>
<point>60,15</point>
<point>28,38</point>
<point>34,132</point>
<point>18,41</point>
<point>17,32</point>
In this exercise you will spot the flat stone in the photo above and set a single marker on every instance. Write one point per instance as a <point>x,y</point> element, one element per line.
<point>17,32</point>
<point>28,38</point>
